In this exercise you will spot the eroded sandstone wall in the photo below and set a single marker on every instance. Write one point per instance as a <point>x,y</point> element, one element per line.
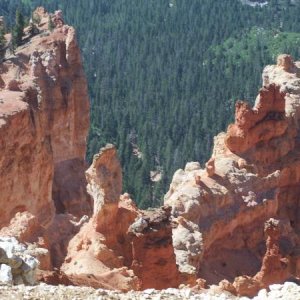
<point>122,247</point>
<point>44,121</point>
<point>253,175</point>
<point>215,220</point>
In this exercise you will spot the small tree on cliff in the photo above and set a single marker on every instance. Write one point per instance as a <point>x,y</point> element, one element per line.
<point>18,30</point>
<point>2,38</point>
<point>33,30</point>
<point>51,25</point>
<point>36,19</point>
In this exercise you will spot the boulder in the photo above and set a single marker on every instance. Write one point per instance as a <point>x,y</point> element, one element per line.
<point>17,266</point>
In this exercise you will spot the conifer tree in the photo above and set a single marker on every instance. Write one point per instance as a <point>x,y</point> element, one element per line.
<point>2,33</point>
<point>18,30</point>
<point>2,40</point>
<point>35,18</point>
<point>51,25</point>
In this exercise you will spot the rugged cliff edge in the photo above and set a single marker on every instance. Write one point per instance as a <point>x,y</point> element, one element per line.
<point>44,120</point>
<point>234,222</point>
<point>253,175</point>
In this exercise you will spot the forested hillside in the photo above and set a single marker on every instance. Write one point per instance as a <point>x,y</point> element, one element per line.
<point>164,75</point>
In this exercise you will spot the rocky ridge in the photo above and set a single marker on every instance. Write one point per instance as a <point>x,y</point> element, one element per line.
<point>123,247</point>
<point>44,110</point>
<point>44,121</point>
<point>252,176</point>
<point>233,223</point>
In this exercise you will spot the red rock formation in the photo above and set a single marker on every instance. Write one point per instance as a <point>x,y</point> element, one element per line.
<point>210,167</point>
<point>256,177</point>
<point>153,258</point>
<point>286,63</point>
<point>97,249</point>
<point>263,123</point>
<point>122,247</point>
<point>45,109</point>
<point>25,227</point>
<point>22,186</point>
<point>274,267</point>
<point>44,120</point>
<point>212,224</point>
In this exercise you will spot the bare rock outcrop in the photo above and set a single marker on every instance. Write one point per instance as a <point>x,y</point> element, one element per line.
<point>105,186</point>
<point>120,247</point>
<point>254,175</point>
<point>214,220</point>
<point>274,267</point>
<point>94,254</point>
<point>264,122</point>
<point>16,264</point>
<point>44,120</point>
<point>153,259</point>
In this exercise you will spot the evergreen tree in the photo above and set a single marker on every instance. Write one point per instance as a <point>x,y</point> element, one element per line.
<point>18,30</point>
<point>2,35</point>
<point>51,25</point>
<point>33,30</point>
<point>35,18</point>
<point>2,40</point>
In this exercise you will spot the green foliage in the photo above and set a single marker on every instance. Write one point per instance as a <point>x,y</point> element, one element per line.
<point>267,43</point>
<point>164,78</point>
<point>18,30</point>
<point>36,19</point>
<point>51,25</point>
<point>2,37</point>
<point>2,41</point>
<point>33,30</point>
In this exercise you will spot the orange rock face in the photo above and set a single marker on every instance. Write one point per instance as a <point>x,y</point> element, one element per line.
<point>215,220</point>
<point>153,259</point>
<point>263,123</point>
<point>44,120</point>
<point>254,177</point>
<point>100,246</point>
<point>122,247</point>
<point>274,267</point>
<point>25,227</point>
